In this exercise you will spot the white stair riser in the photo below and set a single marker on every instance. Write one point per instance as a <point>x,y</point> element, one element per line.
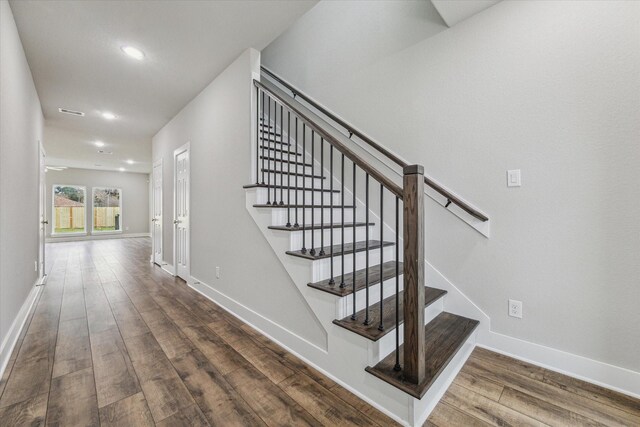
<point>290,180</point>
<point>296,236</point>
<point>322,267</point>
<point>284,195</point>
<point>279,215</point>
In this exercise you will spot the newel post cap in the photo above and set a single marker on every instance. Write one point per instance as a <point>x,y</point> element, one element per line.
<point>413,170</point>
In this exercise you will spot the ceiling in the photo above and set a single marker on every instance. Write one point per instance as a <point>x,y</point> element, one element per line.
<point>74,52</point>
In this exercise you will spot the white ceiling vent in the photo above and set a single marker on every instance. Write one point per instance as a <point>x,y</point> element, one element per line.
<point>72,112</point>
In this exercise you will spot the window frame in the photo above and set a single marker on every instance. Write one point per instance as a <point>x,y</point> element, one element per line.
<point>93,225</point>
<point>85,232</point>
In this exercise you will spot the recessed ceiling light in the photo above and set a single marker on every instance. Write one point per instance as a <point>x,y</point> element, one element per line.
<point>133,52</point>
<point>121,169</point>
<point>130,161</point>
<point>99,144</point>
<point>109,116</point>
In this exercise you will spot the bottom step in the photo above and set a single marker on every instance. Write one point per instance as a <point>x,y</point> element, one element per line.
<point>444,336</point>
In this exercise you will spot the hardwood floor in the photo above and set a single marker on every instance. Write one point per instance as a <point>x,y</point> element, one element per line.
<point>115,341</point>
<point>496,390</point>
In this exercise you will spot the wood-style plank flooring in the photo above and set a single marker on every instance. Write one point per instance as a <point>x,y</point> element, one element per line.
<point>114,340</point>
<point>496,390</point>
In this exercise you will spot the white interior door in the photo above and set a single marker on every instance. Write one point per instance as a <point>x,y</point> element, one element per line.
<point>156,212</point>
<point>181,217</point>
<point>42,213</point>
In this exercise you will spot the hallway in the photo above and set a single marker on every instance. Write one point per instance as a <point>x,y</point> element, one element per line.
<point>116,341</point>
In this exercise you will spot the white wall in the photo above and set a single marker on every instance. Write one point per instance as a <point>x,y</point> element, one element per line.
<point>20,130</point>
<point>218,125</point>
<point>552,88</point>
<point>134,197</point>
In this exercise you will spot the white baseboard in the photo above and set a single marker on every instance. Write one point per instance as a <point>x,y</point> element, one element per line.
<point>612,377</point>
<point>10,340</point>
<point>254,319</point>
<point>168,268</point>
<point>95,237</point>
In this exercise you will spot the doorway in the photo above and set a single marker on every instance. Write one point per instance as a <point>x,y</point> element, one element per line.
<point>156,212</point>
<point>181,203</point>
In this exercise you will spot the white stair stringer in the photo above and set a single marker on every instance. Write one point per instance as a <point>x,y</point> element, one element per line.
<point>347,354</point>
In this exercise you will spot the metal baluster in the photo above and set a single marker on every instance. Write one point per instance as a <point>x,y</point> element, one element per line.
<point>269,141</point>
<point>296,225</point>
<point>367,321</point>
<point>281,157</point>
<point>275,153</point>
<point>257,135</point>
<point>313,201</point>
<point>353,274</point>
<point>332,281</point>
<point>304,189</point>
<point>381,325</point>
<point>342,218</point>
<point>288,170</point>
<point>262,136</point>
<point>321,197</point>
<point>397,365</point>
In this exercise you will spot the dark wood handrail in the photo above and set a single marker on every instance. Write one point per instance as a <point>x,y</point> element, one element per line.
<point>352,131</point>
<point>355,158</point>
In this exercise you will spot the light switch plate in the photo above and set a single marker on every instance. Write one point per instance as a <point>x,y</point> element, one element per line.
<point>514,178</point>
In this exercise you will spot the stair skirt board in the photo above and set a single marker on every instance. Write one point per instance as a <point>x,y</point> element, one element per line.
<point>331,306</point>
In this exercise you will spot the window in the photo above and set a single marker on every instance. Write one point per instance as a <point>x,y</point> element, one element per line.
<point>107,215</point>
<point>68,209</point>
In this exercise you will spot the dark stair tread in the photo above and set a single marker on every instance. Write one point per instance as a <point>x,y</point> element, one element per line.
<point>290,187</point>
<point>263,205</point>
<point>280,150</point>
<point>275,141</point>
<point>304,175</point>
<point>275,159</point>
<point>444,336</point>
<point>337,249</point>
<point>388,272</point>
<point>371,331</point>
<point>317,226</point>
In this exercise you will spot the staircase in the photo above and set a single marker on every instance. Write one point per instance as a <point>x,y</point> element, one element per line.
<point>355,240</point>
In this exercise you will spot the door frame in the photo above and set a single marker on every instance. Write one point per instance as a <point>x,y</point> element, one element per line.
<point>153,202</point>
<point>186,147</point>
<point>42,207</point>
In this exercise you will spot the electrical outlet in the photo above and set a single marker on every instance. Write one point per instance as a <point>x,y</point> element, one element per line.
<point>515,308</point>
<point>126,228</point>
<point>217,272</point>
<point>35,265</point>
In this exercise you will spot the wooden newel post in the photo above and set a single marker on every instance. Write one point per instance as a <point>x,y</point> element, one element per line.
<point>413,217</point>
